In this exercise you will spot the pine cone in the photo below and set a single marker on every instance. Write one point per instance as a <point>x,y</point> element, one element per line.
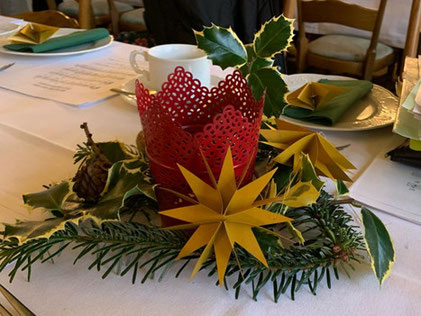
<point>91,178</point>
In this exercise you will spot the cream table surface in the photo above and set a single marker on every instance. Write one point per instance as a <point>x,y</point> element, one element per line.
<point>37,141</point>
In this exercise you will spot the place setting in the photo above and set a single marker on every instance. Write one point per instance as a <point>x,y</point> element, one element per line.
<point>38,40</point>
<point>228,168</point>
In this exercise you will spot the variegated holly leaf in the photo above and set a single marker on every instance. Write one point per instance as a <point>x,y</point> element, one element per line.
<point>295,232</point>
<point>274,37</point>
<point>222,46</point>
<point>259,63</point>
<point>341,188</point>
<point>379,245</point>
<point>308,173</point>
<point>27,230</point>
<point>268,79</point>
<point>122,183</point>
<point>125,179</point>
<point>302,193</point>
<point>115,151</point>
<point>51,199</point>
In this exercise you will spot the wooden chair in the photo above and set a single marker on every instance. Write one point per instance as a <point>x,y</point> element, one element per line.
<point>49,17</point>
<point>91,13</point>
<point>132,20</point>
<point>343,53</point>
<point>413,33</point>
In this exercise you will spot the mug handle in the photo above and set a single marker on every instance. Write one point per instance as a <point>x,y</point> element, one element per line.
<point>134,64</point>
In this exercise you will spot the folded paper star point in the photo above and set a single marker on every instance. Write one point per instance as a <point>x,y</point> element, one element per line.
<point>294,141</point>
<point>225,213</point>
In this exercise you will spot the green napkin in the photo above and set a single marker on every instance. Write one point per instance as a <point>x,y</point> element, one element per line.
<point>332,111</point>
<point>72,39</point>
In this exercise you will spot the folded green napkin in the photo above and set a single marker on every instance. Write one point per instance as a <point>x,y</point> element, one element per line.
<point>72,39</point>
<point>332,111</point>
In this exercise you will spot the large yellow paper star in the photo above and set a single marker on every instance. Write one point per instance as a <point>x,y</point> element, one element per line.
<point>294,140</point>
<point>225,214</point>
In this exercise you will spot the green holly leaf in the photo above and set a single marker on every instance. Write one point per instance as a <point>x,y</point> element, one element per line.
<point>379,245</point>
<point>295,233</point>
<point>274,37</point>
<point>122,183</point>
<point>50,199</point>
<point>115,151</point>
<point>341,188</point>
<point>282,176</point>
<point>222,46</point>
<point>24,231</point>
<point>125,180</point>
<point>260,63</point>
<point>268,79</point>
<point>309,174</point>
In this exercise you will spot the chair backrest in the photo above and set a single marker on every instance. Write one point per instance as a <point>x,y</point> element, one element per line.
<point>335,11</point>
<point>49,17</point>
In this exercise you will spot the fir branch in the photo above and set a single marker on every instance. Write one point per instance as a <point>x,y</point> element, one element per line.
<point>331,242</point>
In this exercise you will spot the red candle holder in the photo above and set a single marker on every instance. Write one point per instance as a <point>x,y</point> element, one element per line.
<point>185,118</point>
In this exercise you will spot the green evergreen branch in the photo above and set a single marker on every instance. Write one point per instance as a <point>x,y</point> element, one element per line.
<point>331,242</point>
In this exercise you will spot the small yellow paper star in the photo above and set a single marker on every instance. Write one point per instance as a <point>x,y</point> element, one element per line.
<point>225,214</point>
<point>294,140</point>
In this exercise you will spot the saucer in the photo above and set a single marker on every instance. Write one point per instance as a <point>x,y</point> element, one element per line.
<point>130,86</point>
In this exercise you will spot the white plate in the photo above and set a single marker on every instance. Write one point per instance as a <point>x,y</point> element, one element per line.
<point>131,87</point>
<point>79,49</point>
<point>376,110</point>
<point>7,28</point>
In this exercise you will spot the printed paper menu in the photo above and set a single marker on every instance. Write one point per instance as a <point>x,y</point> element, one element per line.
<point>74,81</point>
<point>390,186</point>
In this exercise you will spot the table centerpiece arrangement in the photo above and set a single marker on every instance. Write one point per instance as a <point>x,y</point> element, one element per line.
<point>214,180</point>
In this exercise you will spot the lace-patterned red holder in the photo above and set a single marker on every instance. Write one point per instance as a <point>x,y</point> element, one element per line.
<point>184,117</point>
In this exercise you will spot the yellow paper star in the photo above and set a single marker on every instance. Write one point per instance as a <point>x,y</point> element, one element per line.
<point>294,140</point>
<point>225,214</point>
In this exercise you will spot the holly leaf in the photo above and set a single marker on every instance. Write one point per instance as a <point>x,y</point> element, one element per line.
<point>115,151</point>
<point>125,180</point>
<point>341,188</point>
<point>295,233</point>
<point>268,79</point>
<point>222,46</point>
<point>308,173</point>
<point>379,245</point>
<point>26,230</point>
<point>274,37</point>
<point>282,176</point>
<point>301,194</point>
<point>50,199</point>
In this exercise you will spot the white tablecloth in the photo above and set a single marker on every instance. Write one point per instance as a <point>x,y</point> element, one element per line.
<point>37,141</point>
<point>394,26</point>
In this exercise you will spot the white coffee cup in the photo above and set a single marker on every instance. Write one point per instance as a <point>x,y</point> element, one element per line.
<point>163,59</point>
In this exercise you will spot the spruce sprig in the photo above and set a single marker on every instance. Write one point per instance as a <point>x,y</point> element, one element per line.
<point>332,242</point>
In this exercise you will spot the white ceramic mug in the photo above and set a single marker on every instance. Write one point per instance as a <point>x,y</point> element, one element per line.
<point>163,59</point>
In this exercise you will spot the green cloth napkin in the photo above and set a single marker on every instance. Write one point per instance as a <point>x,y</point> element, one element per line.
<point>72,39</point>
<point>332,111</point>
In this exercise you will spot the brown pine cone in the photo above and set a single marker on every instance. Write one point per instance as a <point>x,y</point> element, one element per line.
<point>92,175</point>
<point>91,178</point>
